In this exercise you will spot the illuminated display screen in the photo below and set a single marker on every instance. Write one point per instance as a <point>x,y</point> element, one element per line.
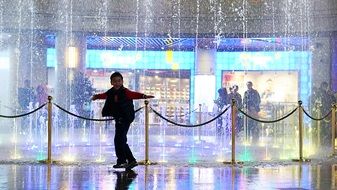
<point>273,86</point>
<point>140,59</point>
<point>295,60</point>
<point>51,57</point>
<point>291,61</point>
<point>132,59</point>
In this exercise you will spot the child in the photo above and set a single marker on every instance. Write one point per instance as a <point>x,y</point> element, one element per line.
<point>119,104</point>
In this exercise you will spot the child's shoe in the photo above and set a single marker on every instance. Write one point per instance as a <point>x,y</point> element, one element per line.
<point>123,165</point>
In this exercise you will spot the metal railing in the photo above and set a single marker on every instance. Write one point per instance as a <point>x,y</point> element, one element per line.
<point>233,108</point>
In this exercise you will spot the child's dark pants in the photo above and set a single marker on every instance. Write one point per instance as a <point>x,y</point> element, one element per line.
<point>122,149</point>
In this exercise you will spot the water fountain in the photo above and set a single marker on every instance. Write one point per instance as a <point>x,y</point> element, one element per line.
<point>159,54</point>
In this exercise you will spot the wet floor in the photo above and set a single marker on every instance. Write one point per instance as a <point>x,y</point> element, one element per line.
<point>290,175</point>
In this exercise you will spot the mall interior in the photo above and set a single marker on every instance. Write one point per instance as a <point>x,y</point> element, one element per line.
<point>56,54</point>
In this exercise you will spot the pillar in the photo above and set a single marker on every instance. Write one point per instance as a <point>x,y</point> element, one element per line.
<point>14,56</point>
<point>27,57</point>
<point>204,83</point>
<point>20,64</point>
<point>71,56</point>
<point>39,59</point>
<point>321,60</point>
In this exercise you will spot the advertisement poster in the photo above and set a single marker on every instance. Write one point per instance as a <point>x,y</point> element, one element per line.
<point>274,87</point>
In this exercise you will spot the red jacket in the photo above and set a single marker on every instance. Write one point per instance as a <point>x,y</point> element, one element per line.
<point>119,103</point>
<point>131,95</point>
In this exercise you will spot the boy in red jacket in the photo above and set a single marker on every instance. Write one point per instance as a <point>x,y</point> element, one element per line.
<point>119,105</point>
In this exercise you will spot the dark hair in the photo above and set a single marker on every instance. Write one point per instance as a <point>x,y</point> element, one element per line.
<point>116,74</point>
<point>222,91</point>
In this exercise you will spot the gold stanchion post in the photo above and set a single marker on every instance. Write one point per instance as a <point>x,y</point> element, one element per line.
<point>319,115</point>
<point>49,128</point>
<point>300,133</point>
<point>146,161</point>
<point>49,109</point>
<point>333,128</point>
<point>199,118</point>
<point>233,118</point>
<point>233,130</point>
<point>300,128</point>
<point>49,177</point>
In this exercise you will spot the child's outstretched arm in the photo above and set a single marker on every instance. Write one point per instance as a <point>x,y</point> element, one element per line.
<point>99,96</point>
<point>148,96</point>
<point>137,95</point>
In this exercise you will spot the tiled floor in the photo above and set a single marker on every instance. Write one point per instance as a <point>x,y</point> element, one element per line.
<point>189,159</point>
<point>316,174</point>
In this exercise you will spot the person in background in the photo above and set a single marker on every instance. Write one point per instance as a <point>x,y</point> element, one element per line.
<point>252,101</point>
<point>220,102</point>
<point>26,95</point>
<point>41,98</point>
<point>234,94</point>
<point>41,94</point>
<point>119,105</point>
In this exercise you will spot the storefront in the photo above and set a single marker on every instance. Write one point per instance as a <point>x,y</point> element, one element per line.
<point>170,75</point>
<point>164,74</point>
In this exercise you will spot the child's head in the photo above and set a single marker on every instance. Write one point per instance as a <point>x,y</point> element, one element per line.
<point>116,80</point>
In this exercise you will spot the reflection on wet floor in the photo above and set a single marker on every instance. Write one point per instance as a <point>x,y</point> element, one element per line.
<point>175,176</point>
